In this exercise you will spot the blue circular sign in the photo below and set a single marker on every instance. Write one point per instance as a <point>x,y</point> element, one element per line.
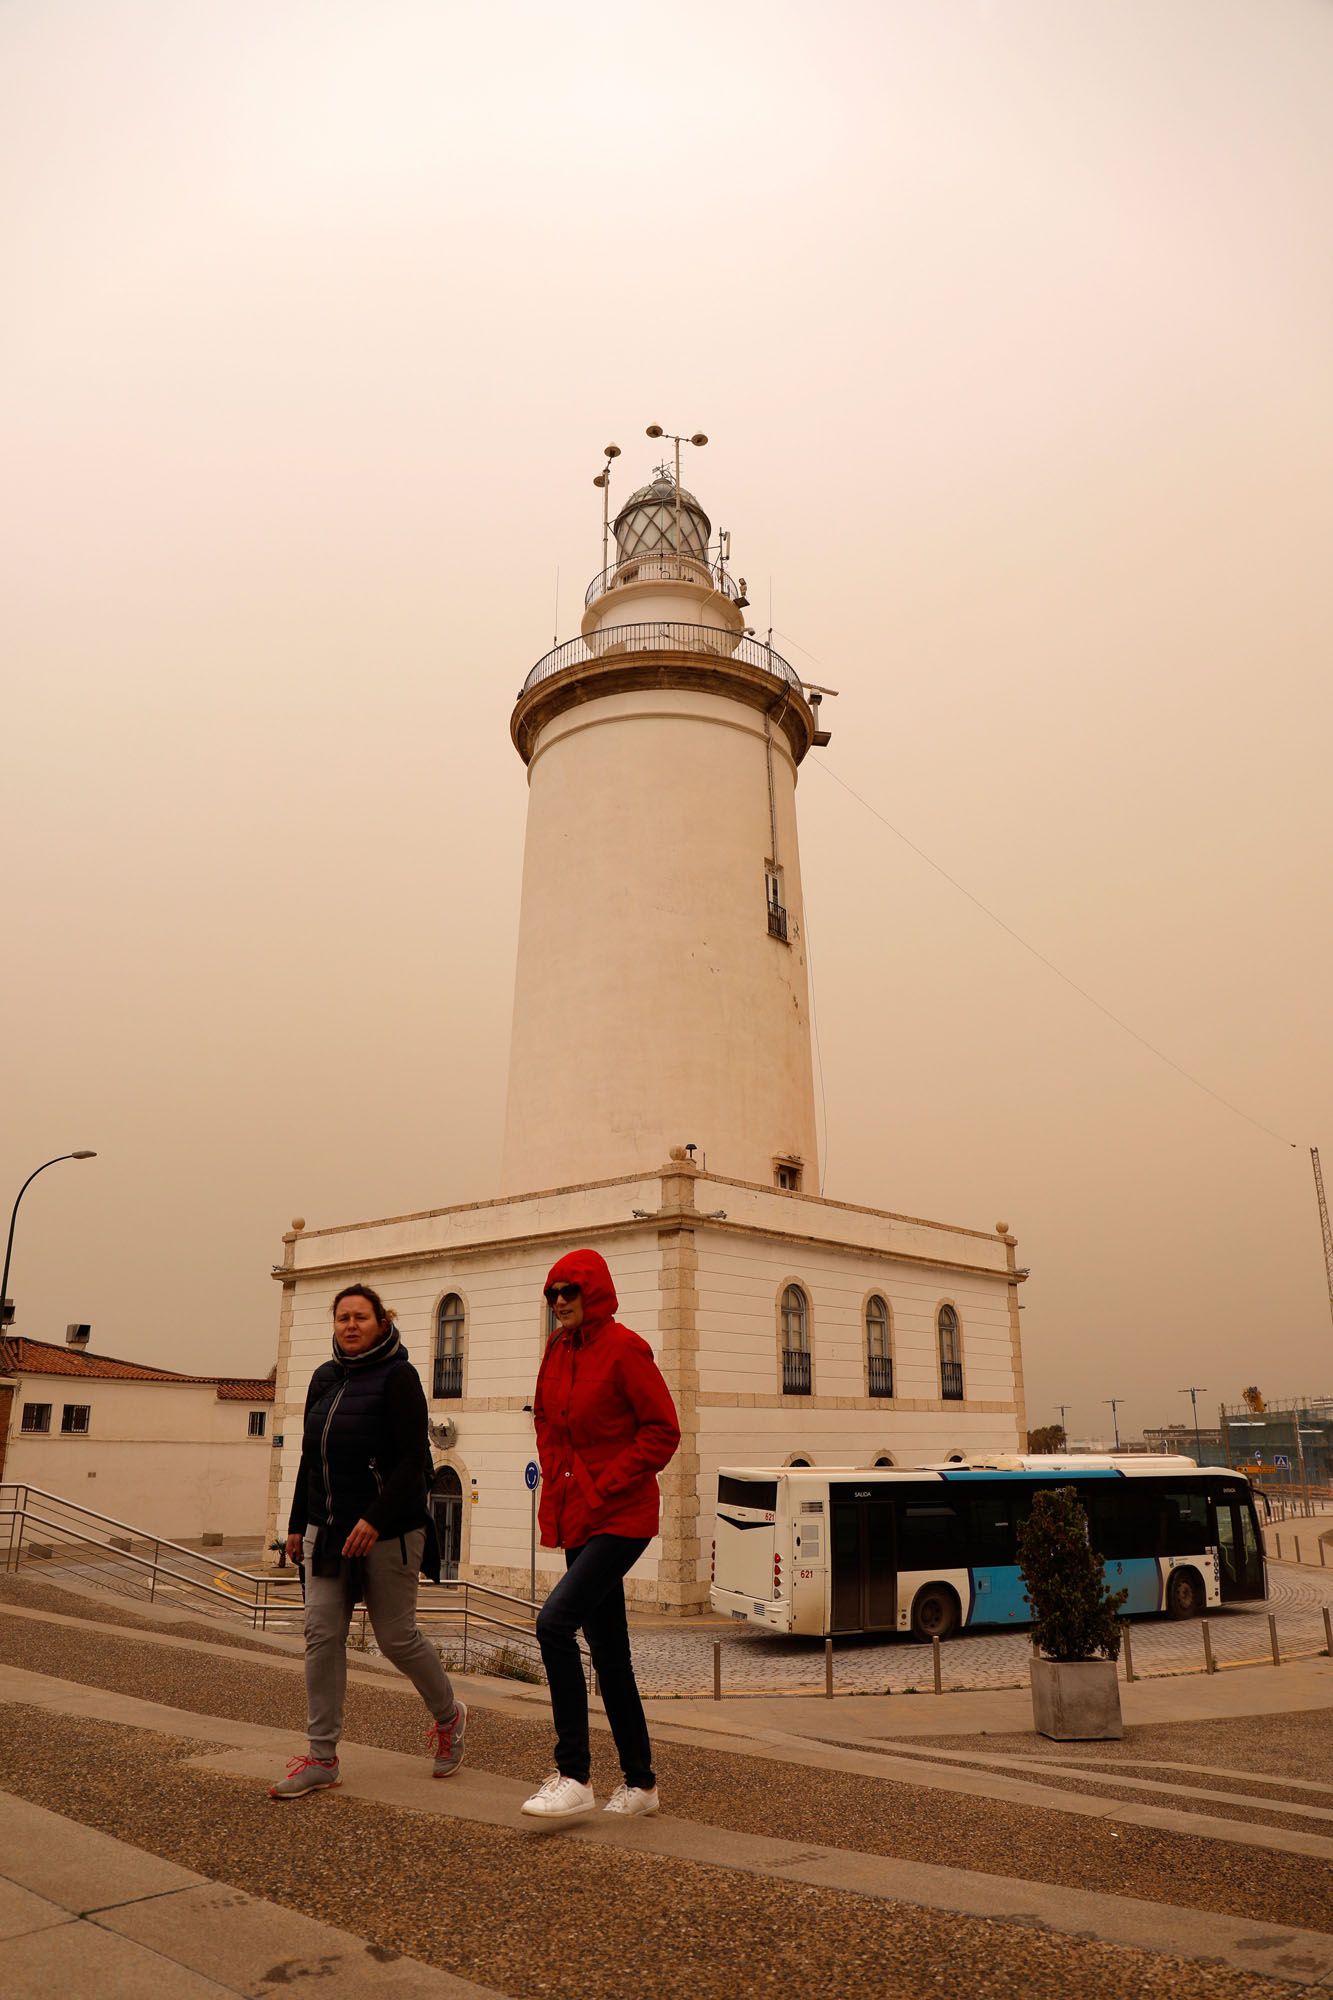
<point>531,1474</point>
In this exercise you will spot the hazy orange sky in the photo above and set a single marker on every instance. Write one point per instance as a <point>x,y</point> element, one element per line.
<point>1009,322</point>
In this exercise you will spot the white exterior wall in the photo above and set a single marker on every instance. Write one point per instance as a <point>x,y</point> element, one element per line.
<point>651,1006</point>
<point>501,1288</point>
<point>496,1256</point>
<point>167,1458</point>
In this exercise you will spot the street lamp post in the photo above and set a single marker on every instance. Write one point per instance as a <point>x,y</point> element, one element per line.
<point>1064,1428</point>
<point>1194,1395</point>
<point>84,1153</point>
<point>603,480</point>
<point>1115,1402</point>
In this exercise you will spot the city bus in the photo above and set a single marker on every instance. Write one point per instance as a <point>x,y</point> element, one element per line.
<point>931,1551</point>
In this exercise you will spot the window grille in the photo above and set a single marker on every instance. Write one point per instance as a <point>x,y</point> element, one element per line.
<point>796,1371</point>
<point>258,1423</point>
<point>36,1417</point>
<point>951,1355</point>
<point>879,1361</point>
<point>75,1418</point>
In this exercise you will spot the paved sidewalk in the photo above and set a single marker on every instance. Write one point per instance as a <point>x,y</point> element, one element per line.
<point>85,1917</point>
<point>202,1930</point>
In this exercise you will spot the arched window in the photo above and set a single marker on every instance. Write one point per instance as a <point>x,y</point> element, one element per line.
<point>798,1461</point>
<point>795,1318</point>
<point>450,1322</point>
<point>884,1459</point>
<point>879,1361</point>
<point>951,1355</point>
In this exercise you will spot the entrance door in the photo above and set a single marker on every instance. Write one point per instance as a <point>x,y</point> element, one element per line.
<point>862,1585</point>
<point>1238,1548</point>
<point>446,1505</point>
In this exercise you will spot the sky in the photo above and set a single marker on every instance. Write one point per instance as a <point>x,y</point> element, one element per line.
<point>1008,322</point>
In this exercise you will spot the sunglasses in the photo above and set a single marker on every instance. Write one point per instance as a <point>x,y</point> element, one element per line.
<point>562,1292</point>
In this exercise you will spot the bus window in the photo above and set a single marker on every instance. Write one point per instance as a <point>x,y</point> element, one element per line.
<point>761,1493</point>
<point>991,1508</point>
<point>1184,1522</point>
<point>929,1537</point>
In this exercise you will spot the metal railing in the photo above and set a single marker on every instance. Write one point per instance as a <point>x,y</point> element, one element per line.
<point>663,566</point>
<point>951,1381</point>
<point>42,1532</point>
<point>448,1375</point>
<point>777,921</point>
<point>795,1372</point>
<point>612,642</point>
<point>880,1374</point>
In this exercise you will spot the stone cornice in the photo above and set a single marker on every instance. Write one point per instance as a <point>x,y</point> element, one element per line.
<point>631,673</point>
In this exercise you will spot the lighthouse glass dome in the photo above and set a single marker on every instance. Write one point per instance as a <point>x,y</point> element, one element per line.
<point>646,524</point>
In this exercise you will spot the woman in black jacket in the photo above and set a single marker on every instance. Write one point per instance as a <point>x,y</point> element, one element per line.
<point>359,1522</point>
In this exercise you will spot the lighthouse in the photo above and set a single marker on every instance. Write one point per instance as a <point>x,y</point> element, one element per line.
<point>661,1110</point>
<point>662,987</point>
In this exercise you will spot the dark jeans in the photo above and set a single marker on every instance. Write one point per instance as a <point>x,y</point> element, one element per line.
<point>591,1595</point>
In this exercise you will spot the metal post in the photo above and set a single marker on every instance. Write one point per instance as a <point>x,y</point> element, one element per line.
<point>717,1670</point>
<point>828,1668</point>
<point>1129,1650</point>
<point>1209,1664</point>
<point>1272,1639</point>
<point>935,1650</point>
<point>1298,1548</point>
<point>532,1547</point>
<point>152,1585</point>
<point>1277,1544</point>
<point>1322,1562</point>
<point>1328,1633</point>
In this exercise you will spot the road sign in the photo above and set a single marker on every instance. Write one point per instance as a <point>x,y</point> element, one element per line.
<point>531,1474</point>
<point>1281,1461</point>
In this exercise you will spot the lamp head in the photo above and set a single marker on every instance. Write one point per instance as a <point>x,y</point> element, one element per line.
<point>611,451</point>
<point>654,430</point>
<point>83,1154</point>
<point>599,479</point>
<point>700,437</point>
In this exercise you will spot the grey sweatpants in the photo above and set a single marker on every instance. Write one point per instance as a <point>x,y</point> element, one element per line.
<point>391,1600</point>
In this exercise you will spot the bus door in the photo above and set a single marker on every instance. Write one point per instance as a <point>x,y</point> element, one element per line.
<point>862,1595</point>
<point>1237,1538</point>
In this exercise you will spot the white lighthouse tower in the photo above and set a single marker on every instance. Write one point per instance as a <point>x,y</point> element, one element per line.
<point>661,991</point>
<point>661,1109</point>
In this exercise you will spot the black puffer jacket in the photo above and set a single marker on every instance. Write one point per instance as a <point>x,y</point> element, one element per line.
<point>364,1451</point>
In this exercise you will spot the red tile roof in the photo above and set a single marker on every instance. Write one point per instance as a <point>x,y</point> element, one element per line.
<point>22,1356</point>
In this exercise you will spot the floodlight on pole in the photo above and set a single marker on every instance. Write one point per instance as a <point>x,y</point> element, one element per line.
<point>1194,1395</point>
<point>1115,1402</point>
<point>697,437</point>
<point>603,479</point>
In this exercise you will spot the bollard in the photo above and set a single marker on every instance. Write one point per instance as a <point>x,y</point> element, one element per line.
<point>828,1668</point>
<point>1322,1564</point>
<point>717,1670</point>
<point>935,1649</point>
<point>1129,1650</point>
<point>1328,1633</point>
<point>1277,1542</point>
<point>1298,1548</point>
<point>1209,1664</point>
<point>1272,1639</point>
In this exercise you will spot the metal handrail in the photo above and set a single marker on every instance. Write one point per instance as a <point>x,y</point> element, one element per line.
<point>662,636</point>
<point>663,566</point>
<point>266,1597</point>
<point>110,1521</point>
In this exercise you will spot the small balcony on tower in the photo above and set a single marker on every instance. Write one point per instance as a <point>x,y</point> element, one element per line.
<point>663,565</point>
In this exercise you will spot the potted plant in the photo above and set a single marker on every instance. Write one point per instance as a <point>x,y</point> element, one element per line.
<point>1075,1630</point>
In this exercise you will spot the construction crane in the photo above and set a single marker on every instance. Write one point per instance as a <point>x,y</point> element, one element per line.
<point>1323,1223</point>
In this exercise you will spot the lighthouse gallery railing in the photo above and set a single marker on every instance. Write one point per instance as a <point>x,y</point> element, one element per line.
<point>662,636</point>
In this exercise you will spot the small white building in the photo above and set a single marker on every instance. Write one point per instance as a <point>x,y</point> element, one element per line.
<point>661,1109</point>
<point>181,1456</point>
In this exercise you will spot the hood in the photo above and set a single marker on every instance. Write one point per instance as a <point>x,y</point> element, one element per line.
<point>588,1269</point>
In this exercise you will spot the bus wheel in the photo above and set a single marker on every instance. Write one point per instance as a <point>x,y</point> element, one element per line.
<point>935,1613</point>
<point>1184,1594</point>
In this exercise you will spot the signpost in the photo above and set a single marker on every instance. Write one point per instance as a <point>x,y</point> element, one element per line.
<point>531,1479</point>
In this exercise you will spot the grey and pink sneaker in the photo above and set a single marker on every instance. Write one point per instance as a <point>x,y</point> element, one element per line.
<point>307,1774</point>
<point>446,1740</point>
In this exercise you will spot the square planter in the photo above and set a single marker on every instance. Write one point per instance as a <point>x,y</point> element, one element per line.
<point>1075,1701</point>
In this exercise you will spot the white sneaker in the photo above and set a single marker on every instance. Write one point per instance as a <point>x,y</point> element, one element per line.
<point>561,1798</point>
<point>632,1801</point>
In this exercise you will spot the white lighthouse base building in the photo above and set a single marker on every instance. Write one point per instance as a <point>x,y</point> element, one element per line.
<point>763,1308</point>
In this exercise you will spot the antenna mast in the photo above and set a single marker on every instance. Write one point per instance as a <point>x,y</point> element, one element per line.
<point>1323,1222</point>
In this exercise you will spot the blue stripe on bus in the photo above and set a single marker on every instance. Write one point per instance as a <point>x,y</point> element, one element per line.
<point>998,1596</point>
<point>1097,1472</point>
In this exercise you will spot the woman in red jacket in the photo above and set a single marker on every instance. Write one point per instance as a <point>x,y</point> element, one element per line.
<point>606,1426</point>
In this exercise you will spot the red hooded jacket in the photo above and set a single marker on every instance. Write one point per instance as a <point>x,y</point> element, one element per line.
<point>606,1424</point>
